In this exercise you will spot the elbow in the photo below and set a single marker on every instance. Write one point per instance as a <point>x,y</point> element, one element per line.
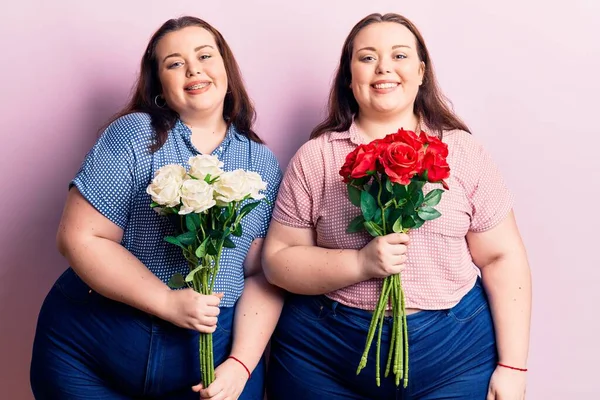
<point>271,272</point>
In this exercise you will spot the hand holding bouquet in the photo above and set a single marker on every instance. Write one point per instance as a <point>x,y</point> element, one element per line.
<point>385,179</point>
<point>205,205</point>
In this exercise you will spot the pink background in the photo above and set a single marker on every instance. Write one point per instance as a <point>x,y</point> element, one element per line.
<point>524,75</point>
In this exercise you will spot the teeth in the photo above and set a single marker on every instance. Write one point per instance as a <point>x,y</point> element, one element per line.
<point>199,86</point>
<point>385,85</point>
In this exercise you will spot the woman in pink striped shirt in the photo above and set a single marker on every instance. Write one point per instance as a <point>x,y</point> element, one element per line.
<point>465,275</point>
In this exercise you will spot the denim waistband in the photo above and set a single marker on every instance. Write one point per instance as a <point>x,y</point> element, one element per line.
<point>76,290</point>
<point>474,298</point>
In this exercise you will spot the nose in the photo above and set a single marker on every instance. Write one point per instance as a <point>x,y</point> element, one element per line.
<point>383,67</point>
<point>193,70</point>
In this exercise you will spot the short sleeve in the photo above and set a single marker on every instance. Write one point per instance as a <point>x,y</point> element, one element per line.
<point>295,204</point>
<point>106,178</point>
<point>272,176</point>
<point>491,199</point>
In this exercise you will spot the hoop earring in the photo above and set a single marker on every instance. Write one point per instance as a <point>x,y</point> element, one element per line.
<point>156,98</point>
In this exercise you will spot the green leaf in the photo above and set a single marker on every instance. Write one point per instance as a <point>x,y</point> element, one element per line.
<point>248,207</point>
<point>211,248</point>
<point>428,213</point>
<point>356,225</point>
<point>201,250</point>
<point>433,198</point>
<point>408,221</point>
<point>417,198</point>
<point>368,205</point>
<point>377,218</point>
<point>397,227</point>
<point>389,186</point>
<point>400,191</point>
<point>187,238</point>
<point>173,240</point>
<point>154,204</point>
<point>374,189</point>
<point>190,276</point>
<point>177,281</point>
<point>207,178</point>
<point>228,243</point>
<point>190,223</point>
<point>418,222</point>
<point>237,230</point>
<point>354,195</point>
<point>415,187</point>
<point>373,228</point>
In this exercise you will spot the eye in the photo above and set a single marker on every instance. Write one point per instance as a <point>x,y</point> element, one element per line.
<point>400,56</point>
<point>367,58</point>
<point>205,57</point>
<point>175,65</point>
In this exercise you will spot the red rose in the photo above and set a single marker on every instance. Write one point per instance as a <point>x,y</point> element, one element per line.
<point>434,160</point>
<point>402,158</point>
<point>360,161</point>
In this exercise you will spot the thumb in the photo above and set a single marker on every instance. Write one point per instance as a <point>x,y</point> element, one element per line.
<point>219,295</point>
<point>197,388</point>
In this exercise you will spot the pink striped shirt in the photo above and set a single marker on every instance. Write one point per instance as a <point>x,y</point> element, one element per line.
<point>439,270</point>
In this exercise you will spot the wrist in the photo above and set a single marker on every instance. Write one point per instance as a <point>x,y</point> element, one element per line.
<point>513,367</point>
<point>159,306</point>
<point>241,364</point>
<point>360,270</point>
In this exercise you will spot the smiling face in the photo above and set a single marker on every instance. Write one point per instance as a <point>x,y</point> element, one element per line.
<point>385,68</point>
<point>191,72</point>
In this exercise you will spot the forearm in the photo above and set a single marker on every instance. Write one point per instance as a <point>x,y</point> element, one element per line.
<point>256,316</point>
<point>109,269</point>
<point>507,282</point>
<point>313,270</point>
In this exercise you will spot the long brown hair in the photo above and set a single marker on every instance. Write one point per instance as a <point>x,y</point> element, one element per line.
<point>430,105</point>
<point>237,109</point>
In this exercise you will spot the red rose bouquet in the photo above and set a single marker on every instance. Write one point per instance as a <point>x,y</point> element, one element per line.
<point>385,179</point>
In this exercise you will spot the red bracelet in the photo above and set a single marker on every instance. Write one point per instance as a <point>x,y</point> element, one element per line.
<point>243,365</point>
<point>515,368</point>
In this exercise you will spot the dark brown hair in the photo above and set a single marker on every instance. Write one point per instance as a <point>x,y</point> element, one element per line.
<point>430,105</point>
<point>237,109</point>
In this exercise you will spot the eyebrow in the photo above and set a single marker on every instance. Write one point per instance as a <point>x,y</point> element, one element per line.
<point>393,47</point>
<point>196,50</point>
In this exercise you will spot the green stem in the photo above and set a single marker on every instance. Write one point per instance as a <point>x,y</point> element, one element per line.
<point>405,328</point>
<point>371,333</point>
<point>394,296</point>
<point>379,181</point>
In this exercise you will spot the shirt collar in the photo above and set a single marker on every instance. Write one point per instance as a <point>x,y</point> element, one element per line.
<point>231,134</point>
<point>354,135</point>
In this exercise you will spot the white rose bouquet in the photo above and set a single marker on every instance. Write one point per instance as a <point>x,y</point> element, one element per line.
<point>205,204</point>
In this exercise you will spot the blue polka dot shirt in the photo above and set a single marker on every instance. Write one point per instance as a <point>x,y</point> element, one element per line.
<point>116,171</point>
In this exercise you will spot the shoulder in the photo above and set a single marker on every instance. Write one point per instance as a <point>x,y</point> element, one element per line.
<point>312,152</point>
<point>133,129</point>
<point>464,145</point>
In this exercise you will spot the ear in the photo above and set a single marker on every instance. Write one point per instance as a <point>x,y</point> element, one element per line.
<point>422,72</point>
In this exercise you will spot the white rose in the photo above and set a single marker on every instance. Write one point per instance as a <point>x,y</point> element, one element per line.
<point>232,186</point>
<point>166,185</point>
<point>196,196</point>
<point>256,184</point>
<point>202,165</point>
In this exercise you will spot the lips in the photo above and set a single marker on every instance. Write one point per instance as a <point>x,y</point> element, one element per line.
<point>197,85</point>
<point>385,85</point>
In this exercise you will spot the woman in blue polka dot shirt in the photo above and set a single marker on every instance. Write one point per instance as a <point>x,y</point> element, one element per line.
<point>111,328</point>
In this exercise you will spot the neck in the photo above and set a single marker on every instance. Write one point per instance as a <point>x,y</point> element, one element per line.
<point>378,126</point>
<point>206,125</point>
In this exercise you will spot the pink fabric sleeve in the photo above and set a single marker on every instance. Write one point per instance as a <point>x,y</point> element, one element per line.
<point>491,200</point>
<point>297,200</point>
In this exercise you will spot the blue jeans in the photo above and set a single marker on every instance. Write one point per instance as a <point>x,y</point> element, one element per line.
<point>318,343</point>
<point>89,347</point>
